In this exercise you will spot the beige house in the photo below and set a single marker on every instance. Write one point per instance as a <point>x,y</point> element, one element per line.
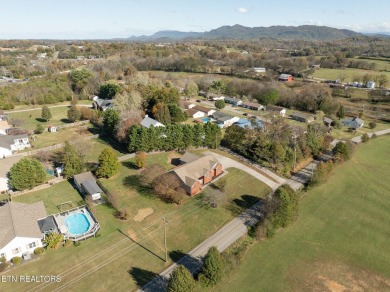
<point>20,234</point>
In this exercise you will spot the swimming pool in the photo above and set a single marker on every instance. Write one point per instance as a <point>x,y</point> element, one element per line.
<point>205,120</point>
<point>77,223</point>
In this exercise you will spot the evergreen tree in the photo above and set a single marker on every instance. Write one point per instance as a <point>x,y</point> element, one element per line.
<point>39,129</point>
<point>132,141</point>
<point>285,206</point>
<point>181,280</point>
<point>143,139</point>
<point>108,90</point>
<point>213,267</point>
<point>177,115</point>
<point>71,161</point>
<point>177,137</point>
<point>108,164</point>
<point>341,151</point>
<point>46,114</point>
<point>341,112</point>
<point>188,136</point>
<point>74,114</point>
<point>161,113</point>
<point>111,118</point>
<point>26,174</point>
<point>199,135</point>
<point>212,135</point>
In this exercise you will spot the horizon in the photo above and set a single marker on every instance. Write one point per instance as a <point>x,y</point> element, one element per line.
<point>41,19</point>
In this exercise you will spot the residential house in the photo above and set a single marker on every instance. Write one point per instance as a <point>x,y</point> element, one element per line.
<point>148,122</point>
<point>285,77</point>
<point>86,184</point>
<point>370,84</point>
<point>253,106</point>
<point>213,96</point>
<point>19,230</point>
<point>300,117</point>
<point>103,104</point>
<point>195,174</point>
<point>233,101</point>
<point>276,110</point>
<point>224,120</point>
<point>259,69</point>
<point>249,124</point>
<point>186,105</point>
<point>12,143</point>
<point>354,123</point>
<point>194,113</point>
<point>207,111</point>
<point>5,167</point>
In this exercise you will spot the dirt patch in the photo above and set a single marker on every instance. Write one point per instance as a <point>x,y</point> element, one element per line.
<point>334,277</point>
<point>142,214</point>
<point>132,234</point>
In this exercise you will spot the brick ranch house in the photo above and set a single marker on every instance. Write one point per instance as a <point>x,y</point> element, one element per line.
<point>197,172</point>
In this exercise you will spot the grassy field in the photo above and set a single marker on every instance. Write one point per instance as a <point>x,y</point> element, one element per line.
<point>38,106</point>
<point>132,251</point>
<point>341,239</point>
<point>349,73</point>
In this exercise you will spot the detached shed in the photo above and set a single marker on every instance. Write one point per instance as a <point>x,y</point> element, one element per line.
<point>86,184</point>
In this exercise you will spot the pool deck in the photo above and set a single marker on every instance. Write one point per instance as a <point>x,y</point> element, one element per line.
<point>60,221</point>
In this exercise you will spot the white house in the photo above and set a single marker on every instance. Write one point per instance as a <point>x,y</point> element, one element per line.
<point>12,143</point>
<point>86,184</point>
<point>5,166</point>
<point>276,110</point>
<point>259,69</point>
<point>207,111</point>
<point>20,234</point>
<point>225,120</point>
<point>195,114</point>
<point>370,84</point>
<point>147,122</point>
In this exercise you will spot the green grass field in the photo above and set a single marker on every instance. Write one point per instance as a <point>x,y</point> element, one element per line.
<point>340,241</point>
<point>131,252</point>
<point>349,73</point>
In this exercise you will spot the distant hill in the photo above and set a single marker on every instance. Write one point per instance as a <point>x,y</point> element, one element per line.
<point>303,32</point>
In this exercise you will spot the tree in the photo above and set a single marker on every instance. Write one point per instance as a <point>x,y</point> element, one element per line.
<point>150,173</point>
<point>79,79</point>
<point>177,115</point>
<point>140,159</point>
<point>108,90</point>
<point>218,86</point>
<point>111,118</point>
<point>181,280</point>
<point>74,114</point>
<point>284,206</point>
<point>212,135</point>
<point>39,129</point>
<point>219,104</point>
<point>71,161</point>
<point>341,112</point>
<point>46,114</point>
<point>213,267</point>
<point>26,174</point>
<point>372,125</point>
<point>161,113</point>
<point>365,138</point>
<point>191,88</point>
<point>168,188</point>
<point>270,97</point>
<point>53,240</point>
<point>341,151</point>
<point>382,80</point>
<point>108,164</point>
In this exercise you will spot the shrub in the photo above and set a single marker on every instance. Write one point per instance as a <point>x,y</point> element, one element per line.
<point>365,138</point>
<point>213,268</point>
<point>39,250</point>
<point>53,240</point>
<point>372,125</point>
<point>97,235</point>
<point>77,243</point>
<point>181,280</point>
<point>16,260</point>
<point>3,259</point>
<point>3,266</point>
<point>374,136</point>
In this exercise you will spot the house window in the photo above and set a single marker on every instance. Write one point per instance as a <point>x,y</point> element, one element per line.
<point>32,245</point>
<point>16,250</point>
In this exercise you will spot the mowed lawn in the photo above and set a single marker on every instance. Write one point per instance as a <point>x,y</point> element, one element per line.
<point>132,252</point>
<point>341,239</point>
<point>349,73</point>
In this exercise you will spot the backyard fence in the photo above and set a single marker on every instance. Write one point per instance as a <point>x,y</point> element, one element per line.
<point>80,123</point>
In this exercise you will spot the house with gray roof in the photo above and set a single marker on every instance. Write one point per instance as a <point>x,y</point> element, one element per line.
<point>86,184</point>
<point>103,104</point>
<point>301,117</point>
<point>224,120</point>
<point>233,101</point>
<point>253,106</point>
<point>147,122</point>
<point>20,234</point>
<point>197,173</point>
<point>354,123</point>
<point>12,143</point>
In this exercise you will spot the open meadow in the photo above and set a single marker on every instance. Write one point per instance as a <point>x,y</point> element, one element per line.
<point>340,241</point>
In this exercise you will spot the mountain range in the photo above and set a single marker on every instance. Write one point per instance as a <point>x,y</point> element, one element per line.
<point>303,32</point>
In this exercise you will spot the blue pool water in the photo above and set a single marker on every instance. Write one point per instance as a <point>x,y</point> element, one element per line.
<point>205,120</point>
<point>77,224</point>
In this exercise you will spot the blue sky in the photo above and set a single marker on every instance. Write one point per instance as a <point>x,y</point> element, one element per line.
<point>85,19</point>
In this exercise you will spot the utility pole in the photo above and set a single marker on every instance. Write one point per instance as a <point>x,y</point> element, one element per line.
<point>165,238</point>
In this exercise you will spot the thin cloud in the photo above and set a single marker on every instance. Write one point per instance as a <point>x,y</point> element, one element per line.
<point>242,10</point>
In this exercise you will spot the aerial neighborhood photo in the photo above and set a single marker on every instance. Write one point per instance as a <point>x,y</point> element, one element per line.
<point>190,146</point>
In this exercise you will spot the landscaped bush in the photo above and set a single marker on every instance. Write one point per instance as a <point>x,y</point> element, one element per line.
<point>3,259</point>
<point>97,235</point>
<point>3,266</point>
<point>39,250</point>
<point>372,125</point>
<point>53,240</point>
<point>77,243</point>
<point>16,260</point>
<point>365,138</point>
